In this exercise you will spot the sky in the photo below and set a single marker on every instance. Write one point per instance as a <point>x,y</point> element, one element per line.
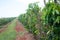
<point>13,8</point>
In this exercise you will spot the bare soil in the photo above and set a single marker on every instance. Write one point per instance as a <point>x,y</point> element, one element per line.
<point>22,33</point>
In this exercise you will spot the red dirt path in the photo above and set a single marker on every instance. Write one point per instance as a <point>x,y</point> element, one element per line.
<point>22,34</point>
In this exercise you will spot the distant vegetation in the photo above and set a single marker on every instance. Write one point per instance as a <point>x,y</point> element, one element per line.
<point>4,21</point>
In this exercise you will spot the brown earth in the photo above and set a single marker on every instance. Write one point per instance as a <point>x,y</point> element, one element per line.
<point>22,33</point>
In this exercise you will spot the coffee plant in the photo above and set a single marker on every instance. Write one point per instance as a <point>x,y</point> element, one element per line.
<point>51,17</point>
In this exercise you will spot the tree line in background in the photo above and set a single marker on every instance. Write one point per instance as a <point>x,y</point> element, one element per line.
<point>4,21</point>
<point>44,23</point>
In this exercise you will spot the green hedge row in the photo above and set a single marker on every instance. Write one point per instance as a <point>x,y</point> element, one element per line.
<point>4,21</point>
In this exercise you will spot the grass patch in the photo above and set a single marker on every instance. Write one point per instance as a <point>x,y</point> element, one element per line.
<point>10,33</point>
<point>0,27</point>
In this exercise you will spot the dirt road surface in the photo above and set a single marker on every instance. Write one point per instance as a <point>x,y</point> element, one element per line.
<point>22,33</point>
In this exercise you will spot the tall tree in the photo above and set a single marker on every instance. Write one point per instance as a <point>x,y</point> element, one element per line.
<point>45,2</point>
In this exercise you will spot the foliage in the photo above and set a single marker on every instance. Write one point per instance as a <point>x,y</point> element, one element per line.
<point>51,18</point>
<point>30,18</point>
<point>4,21</point>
